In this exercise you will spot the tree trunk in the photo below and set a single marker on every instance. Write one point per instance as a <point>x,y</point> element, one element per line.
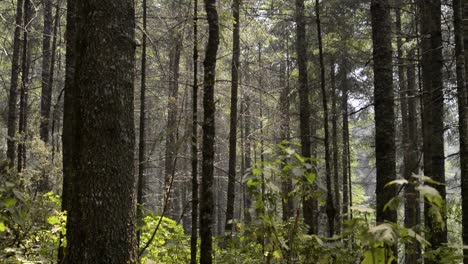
<point>70,120</point>
<point>330,208</point>
<point>304,106</point>
<point>194,149</point>
<point>461,59</point>
<point>384,109</point>
<point>142,135</point>
<point>104,192</point>
<point>345,138</point>
<point>248,158</point>
<point>433,104</point>
<point>25,65</point>
<point>13,94</point>
<point>172,124</point>
<point>336,177</point>
<point>233,117</point>
<point>207,202</point>
<point>46,94</point>
<point>287,187</point>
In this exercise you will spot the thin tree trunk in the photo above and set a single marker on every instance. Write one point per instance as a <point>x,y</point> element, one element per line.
<point>13,93</point>
<point>142,135</point>
<point>345,139</point>
<point>287,187</point>
<point>172,124</point>
<point>207,202</point>
<point>248,158</point>
<point>46,94</point>
<point>330,208</point>
<point>304,107</point>
<point>336,177</point>
<point>233,116</point>
<point>25,65</point>
<point>384,109</point>
<point>194,149</point>
<point>104,138</point>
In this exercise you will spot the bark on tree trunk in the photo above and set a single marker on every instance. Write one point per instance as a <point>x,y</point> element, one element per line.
<point>207,202</point>
<point>194,138</point>
<point>330,208</point>
<point>142,135</point>
<point>345,138</point>
<point>384,109</point>
<point>233,116</point>
<point>461,59</point>
<point>336,177</point>
<point>104,125</point>
<point>13,93</point>
<point>304,106</point>
<point>46,94</point>
<point>433,104</point>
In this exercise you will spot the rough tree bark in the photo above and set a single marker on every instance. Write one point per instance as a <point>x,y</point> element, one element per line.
<point>304,106</point>
<point>384,109</point>
<point>46,94</point>
<point>336,177</point>
<point>345,139</point>
<point>194,138</point>
<point>233,116</point>
<point>13,93</point>
<point>25,65</point>
<point>142,135</point>
<point>433,104</point>
<point>330,208</point>
<point>207,202</point>
<point>461,59</point>
<point>103,89</point>
<point>70,119</point>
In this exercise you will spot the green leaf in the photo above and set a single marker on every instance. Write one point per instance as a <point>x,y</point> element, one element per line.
<point>2,227</point>
<point>431,194</point>
<point>393,204</point>
<point>374,256</point>
<point>253,183</point>
<point>426,179</point>
<point>53,220</point>
<point>9,202</point>
<point>397,182</point>
<point>256,171</point>
<point>384,233</point>
<point>310,176</point>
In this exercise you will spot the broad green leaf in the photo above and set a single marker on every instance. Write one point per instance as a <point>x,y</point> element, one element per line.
<point>2,227</point>
<point>374,256</point>
<point>256,171</point>
<point>431,194</point>
<point>426,179</point>
<point>393,204</point>
<point>53,220</point>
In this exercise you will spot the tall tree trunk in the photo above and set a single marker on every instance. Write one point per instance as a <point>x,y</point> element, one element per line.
<point>25,65</point>
<point>207,202</point>
<point>142,135</point>
<point>46,94</point>
<point>330,208</point>
<point>287,187</point>
<point>433,104</point>
<point>194,149</point>
<point>407,88</point>
<point>70,119</point>
<point>104,124</point>
<point>462,58</point>
<point>304,106</point>
<point>13,93</point>
<point>172,124</point>
<point>233,117</point>
<point>248,157</point>
<point>384,109</point>
<point>336,177</point>
<point>345,138</point>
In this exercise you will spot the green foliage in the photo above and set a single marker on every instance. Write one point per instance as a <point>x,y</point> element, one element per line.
<point>170,244</point>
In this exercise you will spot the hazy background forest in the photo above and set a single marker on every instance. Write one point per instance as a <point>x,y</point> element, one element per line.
<point>230,131</point>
